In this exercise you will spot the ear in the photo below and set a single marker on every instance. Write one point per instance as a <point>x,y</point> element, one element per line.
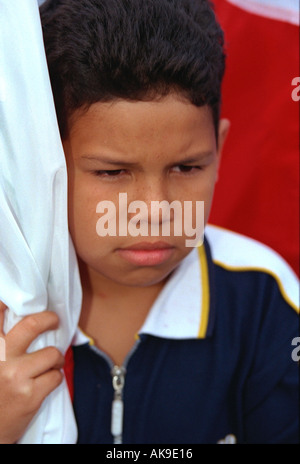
<point>224,126</point>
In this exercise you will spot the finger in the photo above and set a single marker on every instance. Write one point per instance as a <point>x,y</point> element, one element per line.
<point>46,383</point>
<point>27,330</point>
<point>41,361</point>
<point>3,308</point>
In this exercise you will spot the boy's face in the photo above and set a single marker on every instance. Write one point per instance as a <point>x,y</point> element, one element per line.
<point>151,151</point>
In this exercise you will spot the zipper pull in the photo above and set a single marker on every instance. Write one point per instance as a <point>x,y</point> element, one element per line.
<point>118,381</point>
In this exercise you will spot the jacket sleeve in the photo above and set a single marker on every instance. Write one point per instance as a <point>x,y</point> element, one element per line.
<point>271,399</point>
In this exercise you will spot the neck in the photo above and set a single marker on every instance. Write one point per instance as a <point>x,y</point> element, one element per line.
<point>99,287</point>
<point>112,313</point>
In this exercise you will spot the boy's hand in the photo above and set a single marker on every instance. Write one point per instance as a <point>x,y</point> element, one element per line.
<point>26,378</point>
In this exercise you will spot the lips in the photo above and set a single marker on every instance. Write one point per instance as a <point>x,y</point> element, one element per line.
<point>146,253</point>
<point>149,246</point>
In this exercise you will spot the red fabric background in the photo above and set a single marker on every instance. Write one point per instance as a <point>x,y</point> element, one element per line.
<point>69,371</point>
<point>258,189</point>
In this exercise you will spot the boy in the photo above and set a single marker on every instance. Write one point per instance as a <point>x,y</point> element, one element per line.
<point>184,345</point>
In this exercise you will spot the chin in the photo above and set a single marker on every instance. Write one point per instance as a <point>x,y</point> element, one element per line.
<point>143,278</point>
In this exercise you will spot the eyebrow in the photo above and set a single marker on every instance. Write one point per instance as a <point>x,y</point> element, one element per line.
<point>115,162</point>
<point>196,158</point>
<point>107,160</point>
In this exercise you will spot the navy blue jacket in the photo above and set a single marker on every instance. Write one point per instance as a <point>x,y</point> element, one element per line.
<point>213,359</point>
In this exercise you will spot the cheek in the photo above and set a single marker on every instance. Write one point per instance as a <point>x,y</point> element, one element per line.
<point>209,197</point>
<point>82,211</point>
<point>84,197</point>
<point>206,191</point>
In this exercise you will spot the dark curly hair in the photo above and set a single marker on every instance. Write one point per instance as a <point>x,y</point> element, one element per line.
<point>103,50</point>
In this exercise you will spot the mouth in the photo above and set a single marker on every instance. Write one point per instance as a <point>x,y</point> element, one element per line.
<point>149,246</point>
<point>146,253</point>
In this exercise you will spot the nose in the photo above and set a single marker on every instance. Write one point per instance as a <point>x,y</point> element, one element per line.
<point>154,188</point>
<point>152,201</point>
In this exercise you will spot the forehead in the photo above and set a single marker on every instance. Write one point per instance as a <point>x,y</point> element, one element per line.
<point>169,124</point>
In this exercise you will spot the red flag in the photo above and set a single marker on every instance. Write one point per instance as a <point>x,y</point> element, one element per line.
<point>258,189</point>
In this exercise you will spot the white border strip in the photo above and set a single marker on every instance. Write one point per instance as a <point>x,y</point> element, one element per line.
<point>287,13</point>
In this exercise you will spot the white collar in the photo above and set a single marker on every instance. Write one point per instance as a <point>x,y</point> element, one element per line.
<point>181,309</point>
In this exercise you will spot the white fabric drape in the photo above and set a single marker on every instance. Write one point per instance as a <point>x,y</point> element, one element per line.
<point>38,267</point>
<point>281,10</point>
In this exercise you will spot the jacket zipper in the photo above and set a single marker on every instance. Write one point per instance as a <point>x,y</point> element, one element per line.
<point>117,411</point>
<point>118,374</point>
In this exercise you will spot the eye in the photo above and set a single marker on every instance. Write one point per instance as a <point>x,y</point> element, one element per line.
<point>109,173</point>
<point>185,169</point>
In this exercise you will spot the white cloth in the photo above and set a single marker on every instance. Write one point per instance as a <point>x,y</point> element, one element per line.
<point>281,10</point>
<point>38,267</point>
